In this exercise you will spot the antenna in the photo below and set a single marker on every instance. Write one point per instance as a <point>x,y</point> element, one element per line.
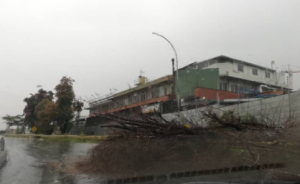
<point>141,72</point>
<point>272,63</point>
<point>113,90</point>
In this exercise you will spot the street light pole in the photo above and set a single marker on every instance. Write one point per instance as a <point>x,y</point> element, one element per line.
<point>177,87</point>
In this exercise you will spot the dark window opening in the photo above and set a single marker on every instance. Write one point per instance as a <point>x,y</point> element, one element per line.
<point>254,71</point>
<point>223,86</point>
<point>234,88</point>
<point>143,97</point>
<point>240,68</point>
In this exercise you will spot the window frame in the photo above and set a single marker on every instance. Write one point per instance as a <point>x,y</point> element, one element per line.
<point>242,68</point>
<point>234,88</point>
<point>223,85</point>
<point>255,73</point>
<point>268,75</point>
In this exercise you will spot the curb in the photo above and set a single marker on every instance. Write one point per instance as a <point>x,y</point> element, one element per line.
<point>3,157</point>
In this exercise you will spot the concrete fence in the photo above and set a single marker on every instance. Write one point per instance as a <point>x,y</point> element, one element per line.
<point>276,110</point>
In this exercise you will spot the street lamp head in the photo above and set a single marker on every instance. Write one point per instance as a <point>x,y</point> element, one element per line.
<point>156,34</point>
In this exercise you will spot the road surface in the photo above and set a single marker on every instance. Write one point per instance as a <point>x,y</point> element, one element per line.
<point>26,159</point>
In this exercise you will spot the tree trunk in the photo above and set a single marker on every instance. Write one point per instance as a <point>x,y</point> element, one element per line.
<point>64,128</point>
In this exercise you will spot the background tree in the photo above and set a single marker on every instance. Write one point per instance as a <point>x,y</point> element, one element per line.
<point>45,113</point>
<point>66,103</point>
<point>31,103</point>
<point>13,120</point>
<point>77,105</point>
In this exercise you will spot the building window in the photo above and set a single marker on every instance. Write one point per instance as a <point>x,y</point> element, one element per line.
<point>254,71</point>
<point>130,100</point>
<point>153,94</point>
<point>240,68</point>
<point>223,86</point>
<point>268,75</point>
<point>234,88</point>
<point>143,97</point>
<point>150,94</point>
<point>165,91</point>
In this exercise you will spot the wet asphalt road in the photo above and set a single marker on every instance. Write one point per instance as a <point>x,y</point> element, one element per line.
<point>26,165</point>
<point>26,158</point>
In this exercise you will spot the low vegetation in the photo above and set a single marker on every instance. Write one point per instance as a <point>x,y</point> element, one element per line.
<point>46,110</point>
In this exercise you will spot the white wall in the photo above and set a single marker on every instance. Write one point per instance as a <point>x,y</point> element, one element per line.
<point>231,69</point>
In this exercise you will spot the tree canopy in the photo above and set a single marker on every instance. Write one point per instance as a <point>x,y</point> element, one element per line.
<point>45,112</point>
<point>66,103</point>
<point>32,102</point>
<point>13,120</point>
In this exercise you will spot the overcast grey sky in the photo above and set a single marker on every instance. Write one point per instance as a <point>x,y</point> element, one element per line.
<point>104,44</point>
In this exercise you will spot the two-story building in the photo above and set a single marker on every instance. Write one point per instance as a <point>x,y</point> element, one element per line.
<point>219,78</point>
<point>238,78</point>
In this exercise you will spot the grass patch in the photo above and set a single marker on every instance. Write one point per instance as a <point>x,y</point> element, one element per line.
<point>63,138</point>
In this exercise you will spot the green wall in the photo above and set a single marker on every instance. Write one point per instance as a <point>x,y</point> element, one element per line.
<point>189,79</point>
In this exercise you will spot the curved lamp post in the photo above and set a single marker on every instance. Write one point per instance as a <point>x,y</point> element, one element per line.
<point>177,87</point>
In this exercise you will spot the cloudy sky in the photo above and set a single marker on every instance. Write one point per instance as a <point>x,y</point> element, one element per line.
<point>105,44</point>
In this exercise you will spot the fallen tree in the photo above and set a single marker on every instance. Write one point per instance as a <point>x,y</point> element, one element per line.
<point>149,143</point>
<point>227,124</point>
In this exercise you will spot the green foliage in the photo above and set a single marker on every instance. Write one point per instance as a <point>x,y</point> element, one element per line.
<point>20,130</point>
<point>31,103</point>
<point>77,105</point>
<point>66,103</point>
<point>13,120</point>
<point>41,111</point>
<point>45,112</point>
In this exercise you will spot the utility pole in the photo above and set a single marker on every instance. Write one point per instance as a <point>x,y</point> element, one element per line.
<point>177,78</point>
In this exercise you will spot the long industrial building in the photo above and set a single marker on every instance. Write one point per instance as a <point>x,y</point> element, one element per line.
<point>221,79</point>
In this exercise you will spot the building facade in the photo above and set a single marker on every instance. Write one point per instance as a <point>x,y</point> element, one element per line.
<point>147,94</point>
<point>218,79</point>
<point>238,79</point>
<point>235,74</point>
